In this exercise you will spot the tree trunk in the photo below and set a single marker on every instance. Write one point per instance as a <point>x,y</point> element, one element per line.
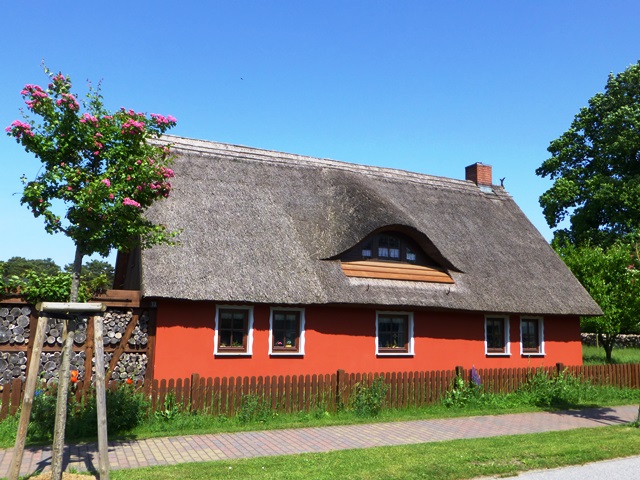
<point>607,342</point>
<point>63,375</point>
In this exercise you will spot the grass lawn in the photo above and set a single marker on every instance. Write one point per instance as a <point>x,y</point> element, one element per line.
<point>596,355</point>
<point>442,460</point>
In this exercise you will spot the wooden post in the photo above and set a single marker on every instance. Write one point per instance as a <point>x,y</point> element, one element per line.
<point>27,401</point>
<point>195,392</point>
<point>101,401</point>
<point>59,426</point>
<point>339,386</point>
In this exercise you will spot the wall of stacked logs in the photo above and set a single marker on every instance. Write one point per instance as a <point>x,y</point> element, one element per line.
<point>127,339</point>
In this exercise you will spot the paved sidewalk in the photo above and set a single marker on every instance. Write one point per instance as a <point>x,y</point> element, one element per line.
<point>198,448</point>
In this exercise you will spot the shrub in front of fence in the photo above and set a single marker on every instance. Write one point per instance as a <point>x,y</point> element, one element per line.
<point>127,409</point>
<point>368,400</point>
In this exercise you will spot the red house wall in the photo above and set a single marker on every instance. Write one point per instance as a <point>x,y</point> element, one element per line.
<point>344,338</point>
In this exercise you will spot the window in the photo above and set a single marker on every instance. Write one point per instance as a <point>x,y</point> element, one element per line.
<point>531,336</point>
<point>394,333</point>
<point>496,330</point>
<point>287,331</point>
<point>234,331</point>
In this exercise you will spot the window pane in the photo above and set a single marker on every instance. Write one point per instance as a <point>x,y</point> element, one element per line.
<point>530,340</point>
<point>286,331</point>
<point>233,329</point>
<point>495,334</point>
<point>393,332</point>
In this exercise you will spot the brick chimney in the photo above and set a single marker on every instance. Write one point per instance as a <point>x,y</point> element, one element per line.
<point>480,174</point>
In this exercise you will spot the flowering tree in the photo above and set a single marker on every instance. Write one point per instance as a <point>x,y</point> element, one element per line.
<point>99,164</point>
<point>99,173</point>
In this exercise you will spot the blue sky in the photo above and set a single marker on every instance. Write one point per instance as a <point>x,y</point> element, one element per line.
<point>423,86</point>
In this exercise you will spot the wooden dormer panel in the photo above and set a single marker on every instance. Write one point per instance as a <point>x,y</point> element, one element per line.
<point>395,271</point>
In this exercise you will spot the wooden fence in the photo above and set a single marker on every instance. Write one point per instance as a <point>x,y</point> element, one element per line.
<point>287,394</point>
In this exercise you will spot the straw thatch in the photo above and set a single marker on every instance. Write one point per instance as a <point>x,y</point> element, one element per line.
<point>262,227</point>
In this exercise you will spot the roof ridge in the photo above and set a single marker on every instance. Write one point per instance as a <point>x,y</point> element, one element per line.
<point>283,158</point>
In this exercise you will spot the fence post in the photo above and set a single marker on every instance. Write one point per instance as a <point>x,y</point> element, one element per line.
<point>559,368</point>
<point>460,372</point>
<point>340,380</point>
<point>195,388</point>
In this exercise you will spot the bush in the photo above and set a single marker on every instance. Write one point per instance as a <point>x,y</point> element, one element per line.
<point>254,409</point>
<point>368,400</point>
<point>126,409</point>
<point>563,390</point>
<point>465,394</point>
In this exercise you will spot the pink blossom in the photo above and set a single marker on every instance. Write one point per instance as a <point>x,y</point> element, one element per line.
<point>106,181</point>
<point>111,196</point>
<point>133,127</point>
<point>86,117</point>
<point>166,172</point>
<point>68,100</point>
<point>20,128</point>
<point>162,120</point>
<point>131,203</point>
<point>69,189</point>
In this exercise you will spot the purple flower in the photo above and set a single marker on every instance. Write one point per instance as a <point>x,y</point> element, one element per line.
<point>475,377</point>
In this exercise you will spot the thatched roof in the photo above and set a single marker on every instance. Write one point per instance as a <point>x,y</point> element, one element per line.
<point>261,227</point>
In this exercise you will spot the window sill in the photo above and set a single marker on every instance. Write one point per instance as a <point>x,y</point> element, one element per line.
<point>286,354</point>
<point>232,354</point>
<point>533,354</point>
<point>498,354</point>
<point>394,354</point>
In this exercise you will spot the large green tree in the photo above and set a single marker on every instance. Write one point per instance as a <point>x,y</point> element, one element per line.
<point>612,278</point>
<point>595,167</point>
<point>19,266</point>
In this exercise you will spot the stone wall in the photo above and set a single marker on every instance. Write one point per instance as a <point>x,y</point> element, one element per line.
<point>623,341</point>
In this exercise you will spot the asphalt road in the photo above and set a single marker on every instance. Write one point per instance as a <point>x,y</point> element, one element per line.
<point>622,468</point>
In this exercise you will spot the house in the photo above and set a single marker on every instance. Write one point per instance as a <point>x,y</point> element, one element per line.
<point>289,264</point>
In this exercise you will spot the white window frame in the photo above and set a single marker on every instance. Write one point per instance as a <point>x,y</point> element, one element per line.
<point>411,341</point>
<point>540,353</point>
<point>507,344</point>
<point>301,339</point>
<point>249,351</point>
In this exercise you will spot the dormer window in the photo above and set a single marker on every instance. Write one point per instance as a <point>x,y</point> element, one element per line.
<point>388,247</point>
<point>394,256</point>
